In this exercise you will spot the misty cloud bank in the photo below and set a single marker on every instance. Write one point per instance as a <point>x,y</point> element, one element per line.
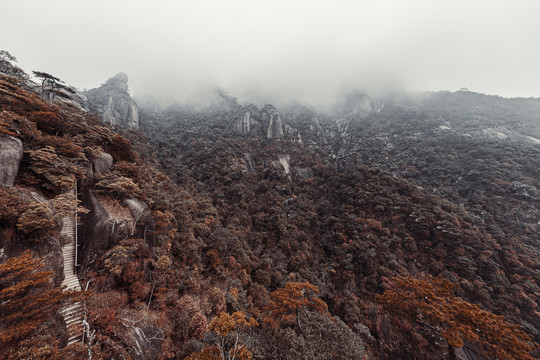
<point>307,50</point>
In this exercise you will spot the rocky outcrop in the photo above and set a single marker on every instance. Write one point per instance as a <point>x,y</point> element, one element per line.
<point>246,124</point>
<point>102,164</point>
<point>113,104</point>
<point>272,122</point>
<point>11,152</point>
<point>292,133</point>
<point>265,122</point>
<point>108,222</point>
<point>358,105</point>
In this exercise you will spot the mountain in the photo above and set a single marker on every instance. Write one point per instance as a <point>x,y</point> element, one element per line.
<point>383,187</point>
<point>273,231</point>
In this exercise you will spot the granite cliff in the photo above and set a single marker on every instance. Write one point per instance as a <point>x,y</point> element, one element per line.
<point>113,103</point>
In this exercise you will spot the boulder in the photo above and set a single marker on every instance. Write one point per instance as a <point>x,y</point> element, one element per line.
<point>100,229</point>
<point>11,152</point>
<point>102,164</point>
<point>109,222</point>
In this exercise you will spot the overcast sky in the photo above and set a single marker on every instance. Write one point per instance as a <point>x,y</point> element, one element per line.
<point>304,49</point>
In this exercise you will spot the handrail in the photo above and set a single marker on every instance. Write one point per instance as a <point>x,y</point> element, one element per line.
<point>75,225</point>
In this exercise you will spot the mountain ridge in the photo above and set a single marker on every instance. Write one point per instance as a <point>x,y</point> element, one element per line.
<point>197,211</point>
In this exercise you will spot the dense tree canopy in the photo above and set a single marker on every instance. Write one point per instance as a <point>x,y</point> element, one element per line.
<point>432,301</point>
<point>28,299</point>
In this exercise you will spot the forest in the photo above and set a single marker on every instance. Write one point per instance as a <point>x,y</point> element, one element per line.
<point>403,232</point>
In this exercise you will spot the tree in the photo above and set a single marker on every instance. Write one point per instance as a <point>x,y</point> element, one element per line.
<point>58,173</point>
<point>7,67</point>
<point>229,335</point>
<point>431,302</point>
<point>286,303</point>
<point>51,86</point>
<point>28,299</point>
<point>117,185</point>
<point>38,220</point>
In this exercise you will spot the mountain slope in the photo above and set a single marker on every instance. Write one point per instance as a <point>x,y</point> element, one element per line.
<point>293,215</point>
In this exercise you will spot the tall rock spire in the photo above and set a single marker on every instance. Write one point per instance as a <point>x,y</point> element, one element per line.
<point>113,103</point>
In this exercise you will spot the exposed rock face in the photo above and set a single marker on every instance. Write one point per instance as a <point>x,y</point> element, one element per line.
<point>11,152</point>
<point>246,124</point>
<point>102,164</point>
<point>100,230</point>
<point>113,104</point>
<point>265,122</point>
<point>107,223</point>
<point>272,122</point>
<point>292,133</point>
<point>359,105</point>
<point>285,160</point>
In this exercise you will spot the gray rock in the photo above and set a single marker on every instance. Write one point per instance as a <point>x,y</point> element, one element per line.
<point>11,152</point>
<point>246,124</point>
<point>99,230</point>
<point>108,223</point>
<point>113,104</point>
<point>265,122</point>
<point>272,121</point>
<point>292,133</point>
<point>102,164</point>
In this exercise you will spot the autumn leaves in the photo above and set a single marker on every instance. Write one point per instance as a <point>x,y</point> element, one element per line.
<point>431,301</point>
<point>230,333</point>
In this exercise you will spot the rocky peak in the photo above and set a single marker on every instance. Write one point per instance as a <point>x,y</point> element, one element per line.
<point>119,81</point>
<point>359,105</point>
<point>113,103</point>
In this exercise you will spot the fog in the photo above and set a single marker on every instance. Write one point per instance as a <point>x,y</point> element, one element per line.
<point>306,50</point>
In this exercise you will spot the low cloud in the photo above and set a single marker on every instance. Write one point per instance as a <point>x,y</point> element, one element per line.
<point>306,50</point>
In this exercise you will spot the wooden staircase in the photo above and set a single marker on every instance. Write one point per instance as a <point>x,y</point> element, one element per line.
<point>74,313</point>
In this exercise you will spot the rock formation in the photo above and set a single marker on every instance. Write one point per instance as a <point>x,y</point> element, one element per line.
<point>113,104</point>
<point>11,152</point>
<point>272,122</point>
<point>265,122</point>
<point>102,164</point>
<point>246,124</point>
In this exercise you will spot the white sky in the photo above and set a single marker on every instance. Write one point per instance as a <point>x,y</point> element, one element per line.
<point>304,49</point>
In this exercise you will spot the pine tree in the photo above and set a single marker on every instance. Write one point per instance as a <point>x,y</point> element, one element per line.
<point>28,299</point>
<point>431,302</point>
<point>286,303</point>
<point>228,332</point>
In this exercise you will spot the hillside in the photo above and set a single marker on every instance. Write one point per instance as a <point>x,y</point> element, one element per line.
<point>349,208</point>
<point>280,225</point>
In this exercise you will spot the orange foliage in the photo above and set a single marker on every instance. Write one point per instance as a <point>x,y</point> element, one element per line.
<point>38,219</point>
<point>47,121</point>
<point>121,149</point>
<point>431,301</point>
<point>229,330</point>
<point>11,206</point>
<point>58,174</point>
<point>28,298</point>
<point>225,323</point>
<point>287,302</point>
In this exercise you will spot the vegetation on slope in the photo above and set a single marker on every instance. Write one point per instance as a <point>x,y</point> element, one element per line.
<point>245,238</point>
